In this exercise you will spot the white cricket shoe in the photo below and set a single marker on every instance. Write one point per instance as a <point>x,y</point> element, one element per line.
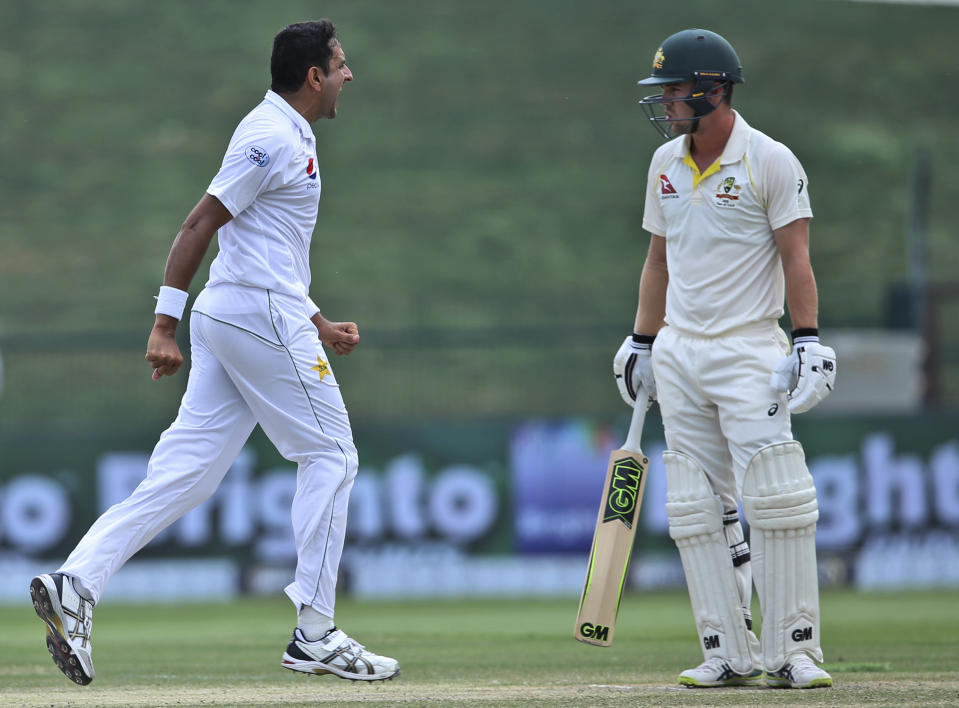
<point>336,653</point>
<point>69,620</point>
<point>799,671</point>
<point>716,671</point>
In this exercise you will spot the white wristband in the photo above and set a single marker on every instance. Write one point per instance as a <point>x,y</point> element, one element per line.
<point>171,301</point>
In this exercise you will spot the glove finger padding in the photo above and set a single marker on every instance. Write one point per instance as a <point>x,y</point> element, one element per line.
<point>643,375</point>
<point>624,364</point>
<point>817,376</point>
<point>786,374</point>
<point>633,370</point>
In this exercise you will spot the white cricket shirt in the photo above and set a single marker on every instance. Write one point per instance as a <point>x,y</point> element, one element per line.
<point>724,267</point>
<point>270,182</point>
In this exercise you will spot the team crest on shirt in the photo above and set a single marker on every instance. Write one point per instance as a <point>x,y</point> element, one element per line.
<point>666,188</point>
<point>257,155</point>
<point>727,192</point>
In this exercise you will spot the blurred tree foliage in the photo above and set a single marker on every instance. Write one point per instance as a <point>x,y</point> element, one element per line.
<point>482,185</point>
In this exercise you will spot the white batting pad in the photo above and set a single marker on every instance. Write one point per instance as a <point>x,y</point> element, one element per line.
<point>696,525</point>
<point>779,501</point>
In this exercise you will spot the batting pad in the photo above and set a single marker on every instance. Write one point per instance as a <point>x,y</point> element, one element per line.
<point>779,501</point>
<point>696,525</point>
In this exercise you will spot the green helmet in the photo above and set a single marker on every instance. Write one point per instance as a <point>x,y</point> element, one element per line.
<point>696,55</point>
<point>693,54</point>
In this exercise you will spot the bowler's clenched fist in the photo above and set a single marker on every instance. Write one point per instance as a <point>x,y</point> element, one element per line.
<point>162,351</point>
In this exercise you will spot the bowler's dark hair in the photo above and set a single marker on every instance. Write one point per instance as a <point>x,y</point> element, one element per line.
<point>296,48</point>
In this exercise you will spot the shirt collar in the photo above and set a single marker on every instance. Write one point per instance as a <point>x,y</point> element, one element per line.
<point>735,146</point>
<point>298,120</point>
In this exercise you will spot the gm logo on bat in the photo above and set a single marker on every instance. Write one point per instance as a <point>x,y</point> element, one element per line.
<point>596,631</point>
<point>623,490</point>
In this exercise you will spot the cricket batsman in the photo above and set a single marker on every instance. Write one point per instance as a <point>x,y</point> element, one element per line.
<point>728,212</point>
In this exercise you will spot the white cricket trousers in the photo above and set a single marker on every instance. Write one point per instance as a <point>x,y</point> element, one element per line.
<point>716,401</point>
<point>238,379</point>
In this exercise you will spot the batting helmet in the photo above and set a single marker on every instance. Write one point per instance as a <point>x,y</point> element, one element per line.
<point>693,54</point>
<point>696,55</point>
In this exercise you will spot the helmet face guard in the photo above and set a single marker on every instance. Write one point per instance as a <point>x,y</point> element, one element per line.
<point>697,99</point>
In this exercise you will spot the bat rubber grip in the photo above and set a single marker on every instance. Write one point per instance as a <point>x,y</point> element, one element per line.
<point>635,434</point>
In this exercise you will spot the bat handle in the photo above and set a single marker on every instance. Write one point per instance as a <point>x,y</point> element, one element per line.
<point>634,436</point>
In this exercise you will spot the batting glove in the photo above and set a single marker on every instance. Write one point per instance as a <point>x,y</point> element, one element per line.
<point>808,374</point>
<point>633,369</point>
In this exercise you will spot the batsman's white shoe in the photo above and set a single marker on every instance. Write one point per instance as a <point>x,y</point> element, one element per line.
<point>69,620</point>
<point>336,653</point>
<point>799,671</point>
<point>717,672</point>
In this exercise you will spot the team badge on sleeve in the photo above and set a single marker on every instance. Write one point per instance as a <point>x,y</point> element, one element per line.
<point>258,156</point>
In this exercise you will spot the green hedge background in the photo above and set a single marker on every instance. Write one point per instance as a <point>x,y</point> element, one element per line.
<point>482,185</point>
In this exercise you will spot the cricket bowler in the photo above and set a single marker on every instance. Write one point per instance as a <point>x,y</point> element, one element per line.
<point>258,357</point>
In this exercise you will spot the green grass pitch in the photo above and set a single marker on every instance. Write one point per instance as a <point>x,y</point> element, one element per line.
<point>882,650</point>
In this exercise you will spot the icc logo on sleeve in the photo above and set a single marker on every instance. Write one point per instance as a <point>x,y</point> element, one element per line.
<point>258,156</point>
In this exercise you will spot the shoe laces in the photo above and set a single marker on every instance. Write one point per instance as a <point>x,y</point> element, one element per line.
<point>354,645</point>
<point>348,642</point>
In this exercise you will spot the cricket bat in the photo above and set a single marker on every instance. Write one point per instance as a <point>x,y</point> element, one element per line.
<point>613,537</point>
